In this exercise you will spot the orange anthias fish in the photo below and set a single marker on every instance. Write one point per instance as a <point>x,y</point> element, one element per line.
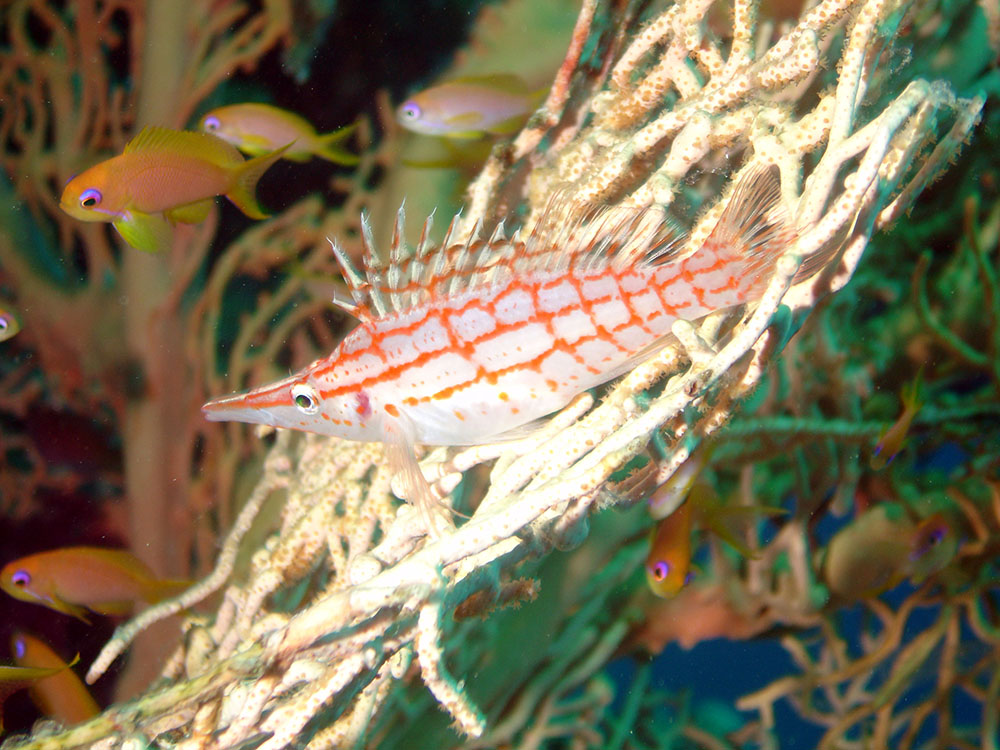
<point>668,564</point>
<point>891,440</point>
<point>13,679</point>
<point>72,580</point>
<point>470,342</point>
<point>882,546</point>
<point>470,107</point>
<point>259,129</point>
<point>165,173</point>
<point>61,695</point>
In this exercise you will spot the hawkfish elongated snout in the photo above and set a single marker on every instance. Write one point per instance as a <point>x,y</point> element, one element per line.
<point>258,406</point>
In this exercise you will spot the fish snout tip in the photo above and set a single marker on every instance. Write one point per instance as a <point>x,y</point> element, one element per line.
<point>240,407</point>
<point>220,409</point>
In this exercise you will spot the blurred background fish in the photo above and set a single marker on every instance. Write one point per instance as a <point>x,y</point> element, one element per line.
<point>258,129</point>
<point>14,678</point>
<point>72,580</point>
<point>891,440</point>
<point>60,695</point>
<point>470,107</point>
<point>9,324</point>
<point>883,546</point>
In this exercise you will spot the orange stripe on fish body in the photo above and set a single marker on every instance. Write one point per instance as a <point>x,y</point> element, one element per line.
<point>462,344</point>
<point>73,580</point>
<point>61,695</point>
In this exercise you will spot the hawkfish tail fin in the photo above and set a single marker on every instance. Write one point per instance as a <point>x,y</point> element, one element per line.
<point>244,188</point>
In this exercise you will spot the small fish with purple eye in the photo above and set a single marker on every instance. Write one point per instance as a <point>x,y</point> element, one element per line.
<point>10,326</point>
<point>470,107</point>
<point>14,678</point>
<point>258,129</point>
<point>73,580</point>
<point>61,695</point>
<point>891,441</point>
<point>668,564</point>
<point>165,176</point>
<point>883,546</point>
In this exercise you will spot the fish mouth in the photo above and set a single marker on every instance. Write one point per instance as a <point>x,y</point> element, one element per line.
<point>255,406</point>
<point>236,408</point>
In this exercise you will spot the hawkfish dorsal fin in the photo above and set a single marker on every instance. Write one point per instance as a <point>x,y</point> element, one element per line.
<point>568,235</point>
<point>356,283</point>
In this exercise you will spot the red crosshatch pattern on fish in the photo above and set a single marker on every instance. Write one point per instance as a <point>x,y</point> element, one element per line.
<point>468,342</point>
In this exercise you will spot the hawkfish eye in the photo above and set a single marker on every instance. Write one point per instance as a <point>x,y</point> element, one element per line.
<point>306,398</point>
<point>90,198</point>
<point>20,648</point>
<point>661,570</point>
<point>212,123</point>
<point>410,110</point>
<point>21,578</point>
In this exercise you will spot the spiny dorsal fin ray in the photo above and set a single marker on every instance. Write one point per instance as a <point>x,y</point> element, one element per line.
<point>355,282</point>
<point>395,275</point>
<point>568,234</point>
<point>424,245</point>
<point>373,270</point>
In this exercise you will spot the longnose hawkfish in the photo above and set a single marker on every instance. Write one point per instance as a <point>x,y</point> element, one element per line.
<point>470,342</point>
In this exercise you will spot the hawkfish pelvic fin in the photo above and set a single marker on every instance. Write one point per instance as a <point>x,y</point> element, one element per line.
<point>412,484</point>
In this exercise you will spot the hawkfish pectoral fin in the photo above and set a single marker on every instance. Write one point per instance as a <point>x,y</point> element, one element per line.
<point>411,481</point>
<point>148,232</point>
